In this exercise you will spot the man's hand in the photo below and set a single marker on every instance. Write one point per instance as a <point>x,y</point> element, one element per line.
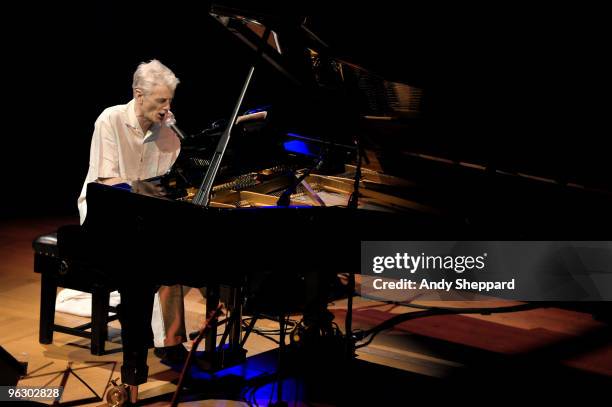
<point>148,188</point>
<point>140,187</point>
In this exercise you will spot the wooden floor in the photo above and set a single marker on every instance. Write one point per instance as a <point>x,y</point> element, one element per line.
<point>418,354</point>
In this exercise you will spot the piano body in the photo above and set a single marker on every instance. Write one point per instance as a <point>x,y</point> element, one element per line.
<point>313,160</point>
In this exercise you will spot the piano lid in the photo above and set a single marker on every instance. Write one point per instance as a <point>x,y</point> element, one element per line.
<point>325,96</point>
<point>465,89</point>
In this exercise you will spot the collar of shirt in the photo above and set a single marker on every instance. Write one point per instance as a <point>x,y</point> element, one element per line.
<point>132,122</point>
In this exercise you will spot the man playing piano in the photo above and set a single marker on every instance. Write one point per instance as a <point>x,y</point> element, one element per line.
<point>130,143</point>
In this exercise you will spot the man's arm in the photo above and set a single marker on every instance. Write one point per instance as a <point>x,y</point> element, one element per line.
<point>104,154</point>
<point>140,187</point>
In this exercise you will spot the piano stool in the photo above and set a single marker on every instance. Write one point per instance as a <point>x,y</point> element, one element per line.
<point>57,272</point>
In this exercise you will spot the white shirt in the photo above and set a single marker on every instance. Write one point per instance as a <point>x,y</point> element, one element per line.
<point>119,148</point>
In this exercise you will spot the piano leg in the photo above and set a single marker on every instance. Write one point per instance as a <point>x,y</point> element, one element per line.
<point>136,334</point>
<point>316,297</point>
<point>221,356</point>
<point>212,301</point>
<point>235,305</point>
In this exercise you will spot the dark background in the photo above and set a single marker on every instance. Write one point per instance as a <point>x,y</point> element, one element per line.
<point>519,85</point>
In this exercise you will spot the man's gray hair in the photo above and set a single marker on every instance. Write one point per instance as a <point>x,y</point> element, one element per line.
<point>152,73</point>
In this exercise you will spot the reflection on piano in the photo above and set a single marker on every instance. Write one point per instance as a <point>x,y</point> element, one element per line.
<point>317,154</point>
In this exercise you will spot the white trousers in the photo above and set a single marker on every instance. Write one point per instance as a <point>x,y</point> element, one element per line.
<point>168,319</point>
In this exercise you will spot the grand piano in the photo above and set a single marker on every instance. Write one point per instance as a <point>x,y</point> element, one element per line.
<point>295,193</point>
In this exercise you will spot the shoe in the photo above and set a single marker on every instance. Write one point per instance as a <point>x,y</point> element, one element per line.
<point>173,355</point>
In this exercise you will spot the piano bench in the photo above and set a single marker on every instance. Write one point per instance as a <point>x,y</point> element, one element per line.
<point>57,272</point>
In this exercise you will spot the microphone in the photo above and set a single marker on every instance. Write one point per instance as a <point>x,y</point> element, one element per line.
<point>218,126</point>
<point>171,123</point>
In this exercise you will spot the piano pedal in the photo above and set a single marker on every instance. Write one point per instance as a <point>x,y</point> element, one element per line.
<point>311,352</point>
<point>315,335</point>
<point>117,395</point>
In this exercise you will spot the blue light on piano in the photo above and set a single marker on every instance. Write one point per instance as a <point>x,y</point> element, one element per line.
<point>298,147</point>
<point>123,185</point>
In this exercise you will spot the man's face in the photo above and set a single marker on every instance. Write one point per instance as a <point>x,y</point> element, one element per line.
<point>155,105</point>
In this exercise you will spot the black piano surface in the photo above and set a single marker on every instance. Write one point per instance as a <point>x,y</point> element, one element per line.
<point>170,242</point>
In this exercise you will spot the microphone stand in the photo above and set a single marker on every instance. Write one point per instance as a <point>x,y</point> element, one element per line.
<point>354,198</point>
<point>202,197</point>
